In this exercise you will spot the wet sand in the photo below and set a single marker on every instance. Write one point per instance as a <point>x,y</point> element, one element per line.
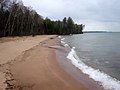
<point>42,66</point>
<point>38,70</point>
<point>76,73</point>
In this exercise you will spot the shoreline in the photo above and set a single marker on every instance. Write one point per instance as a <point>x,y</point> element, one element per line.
<point>76,73</point>
<point>45,66</point>
<point>33,73</point>
<point>100,77</point>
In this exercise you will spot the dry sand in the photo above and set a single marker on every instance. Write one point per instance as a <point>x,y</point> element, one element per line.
<point>10,48</point>
<point>39,63</point>
<point>36,68</point>
<point>39,70</point>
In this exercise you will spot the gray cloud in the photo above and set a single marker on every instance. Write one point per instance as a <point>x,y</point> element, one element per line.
<point>95,14</point>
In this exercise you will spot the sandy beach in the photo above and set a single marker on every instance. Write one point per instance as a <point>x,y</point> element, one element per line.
<point>33,63</point>
<point>12,47</point>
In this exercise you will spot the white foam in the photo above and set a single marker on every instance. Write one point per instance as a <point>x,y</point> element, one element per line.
<point>62,39</point>
<point>66,45</point>
<point>59,36</point>
<point>73,47</point>
<point>105,80</point>
<point>63,42</point>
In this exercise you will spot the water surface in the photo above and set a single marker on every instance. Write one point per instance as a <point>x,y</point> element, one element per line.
<point>98,50</point>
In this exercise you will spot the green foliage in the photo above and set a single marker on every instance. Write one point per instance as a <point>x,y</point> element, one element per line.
<point>18,20</point>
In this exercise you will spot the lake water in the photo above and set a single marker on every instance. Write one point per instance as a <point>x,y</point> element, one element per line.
<point>100,51</point>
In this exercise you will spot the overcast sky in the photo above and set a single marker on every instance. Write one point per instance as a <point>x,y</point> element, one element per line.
<point>95,14</point>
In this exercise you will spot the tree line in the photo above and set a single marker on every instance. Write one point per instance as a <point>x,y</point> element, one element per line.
<point>19,20</point>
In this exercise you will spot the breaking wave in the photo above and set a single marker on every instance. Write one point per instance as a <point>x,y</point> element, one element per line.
<point>108,82</point>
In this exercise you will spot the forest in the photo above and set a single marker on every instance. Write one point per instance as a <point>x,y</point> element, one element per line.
<point>19,20</point>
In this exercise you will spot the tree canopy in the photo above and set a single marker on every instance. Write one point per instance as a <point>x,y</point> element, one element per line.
<point>18,20</point>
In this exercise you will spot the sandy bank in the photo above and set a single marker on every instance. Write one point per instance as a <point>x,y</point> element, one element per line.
<point>40,63</point>
<point>38,69</point>
<point>10,48</point>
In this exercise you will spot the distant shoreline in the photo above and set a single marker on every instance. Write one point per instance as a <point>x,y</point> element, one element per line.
<point>99,32</point>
